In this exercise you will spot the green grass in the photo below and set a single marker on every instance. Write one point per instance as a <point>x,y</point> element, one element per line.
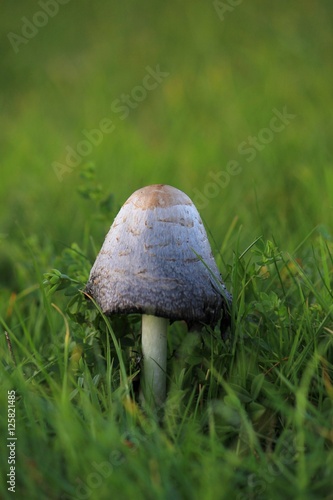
<point>246,417</point>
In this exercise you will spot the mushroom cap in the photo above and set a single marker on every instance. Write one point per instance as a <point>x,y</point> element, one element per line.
<point>156,259</point>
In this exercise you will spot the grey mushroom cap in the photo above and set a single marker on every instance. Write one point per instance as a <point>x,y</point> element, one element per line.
<point>156,259</point>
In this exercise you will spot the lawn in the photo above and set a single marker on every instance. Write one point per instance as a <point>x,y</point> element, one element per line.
<point>231,102</point>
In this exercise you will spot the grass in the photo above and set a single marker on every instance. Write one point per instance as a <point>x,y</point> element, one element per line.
<point>248,416</point>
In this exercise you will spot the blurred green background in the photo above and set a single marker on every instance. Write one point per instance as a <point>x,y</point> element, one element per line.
<point>227,70</point>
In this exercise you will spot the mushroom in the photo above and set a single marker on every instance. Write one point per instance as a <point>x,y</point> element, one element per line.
<point>156,260</point>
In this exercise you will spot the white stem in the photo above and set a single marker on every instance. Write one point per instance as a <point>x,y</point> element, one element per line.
<point>154,350</point>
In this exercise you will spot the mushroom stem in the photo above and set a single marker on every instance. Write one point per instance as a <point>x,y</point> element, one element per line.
<point>154,350</point>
